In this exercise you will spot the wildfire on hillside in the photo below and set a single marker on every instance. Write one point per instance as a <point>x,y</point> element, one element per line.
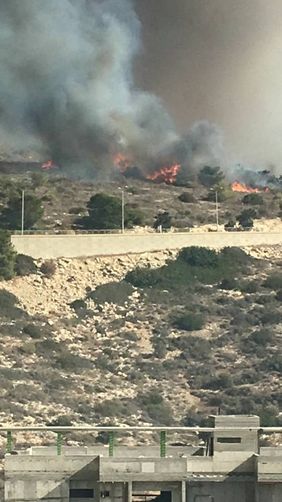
<point>122,162</point>
<point>46,166</point>
<point>166,174</point>
<point>242,187</point>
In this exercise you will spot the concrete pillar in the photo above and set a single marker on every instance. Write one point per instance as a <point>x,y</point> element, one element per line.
<point>129,491</point>
<point>183,491</point>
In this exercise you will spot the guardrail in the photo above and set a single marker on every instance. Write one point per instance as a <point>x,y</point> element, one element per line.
<point>142,231</point>
<point>60,431</point>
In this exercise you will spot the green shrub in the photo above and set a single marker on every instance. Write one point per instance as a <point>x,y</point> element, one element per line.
<point>219,195</point>
<point>187,197</point>
<point>229,283</point>
<point>7,256</point>
<point>61,421</point>
<point>72,362</point>
<point>262,337</point>
<point>25,265</point>
<point>192,347</point>
<point>273,363</point>
<point>278,295</point>
<point>192,264</point>
<point>8,305</point>
<point>48,268</point>
<point>254,199</point>
<point>199,257</point>
<point>221,380</point>
<point>131,336</point>
<point>78,305</point>
<point>142,277</point>
<point>163,220</point>
<point>113,292</point>
<point>264,299</point>
<point>28,348</point>
<point>268,416</point>
<point>271,317</point>
<point>210,176</point>
<point>235,257</point>
<point>38,179</point>
<point>133,216</point>
<point>273,282</point>
<point>249,287</point>
<point>246,218</point>
<point>76,210</point>
<point>32,330</point>
<point>11,216</point>
<point>230,225</point>
<point>105,213</point>
<point>160,348</point>
<point>158,410</point>
<point>111,408</point>
<point>189,322</point>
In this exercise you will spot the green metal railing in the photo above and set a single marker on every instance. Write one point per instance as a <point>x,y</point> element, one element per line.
<point>163,444</point>
<point>111,443</point>
<point>60,432</point>
<point>59,443</point>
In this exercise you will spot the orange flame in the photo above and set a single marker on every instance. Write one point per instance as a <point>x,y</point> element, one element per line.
<point>122,162</point>
<point>165,174</point>
<point>242,187</point>
<point>48,165</point>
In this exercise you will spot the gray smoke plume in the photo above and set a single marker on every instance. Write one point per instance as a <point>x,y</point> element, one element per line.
<point>219,60</point>
<point>67,89</point>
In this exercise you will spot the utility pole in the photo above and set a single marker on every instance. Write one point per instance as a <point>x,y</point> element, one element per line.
<point>122,211</point>
<point>216,210</point>
<point>23,212</point>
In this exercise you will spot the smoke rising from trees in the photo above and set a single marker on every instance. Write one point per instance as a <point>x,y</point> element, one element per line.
<point>67,89</point>
<point>219,60</point>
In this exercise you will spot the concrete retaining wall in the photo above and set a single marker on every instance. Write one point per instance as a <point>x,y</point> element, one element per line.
<point>75,246</point>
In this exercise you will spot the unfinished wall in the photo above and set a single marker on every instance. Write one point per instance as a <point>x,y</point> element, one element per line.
<point>75,246</point>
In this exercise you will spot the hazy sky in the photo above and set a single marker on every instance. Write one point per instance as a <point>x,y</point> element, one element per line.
<point>219,60</point>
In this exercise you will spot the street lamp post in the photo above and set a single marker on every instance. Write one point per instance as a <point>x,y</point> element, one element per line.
<point>216,210</point>
<point>22,231</point>
<point>122,211</point>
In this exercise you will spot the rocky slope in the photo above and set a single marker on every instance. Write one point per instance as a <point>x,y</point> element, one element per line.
<point>86,347</point>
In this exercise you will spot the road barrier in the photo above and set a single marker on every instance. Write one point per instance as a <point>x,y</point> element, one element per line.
<point>84,245</point>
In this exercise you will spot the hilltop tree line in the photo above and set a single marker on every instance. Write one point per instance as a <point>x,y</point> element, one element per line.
<point>104,212</point>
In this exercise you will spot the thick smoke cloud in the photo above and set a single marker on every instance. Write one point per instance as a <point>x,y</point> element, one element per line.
<point>219,60</point>
<point>67,89</point>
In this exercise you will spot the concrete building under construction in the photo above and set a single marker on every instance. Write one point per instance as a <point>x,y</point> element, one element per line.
<point>232,467</point>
